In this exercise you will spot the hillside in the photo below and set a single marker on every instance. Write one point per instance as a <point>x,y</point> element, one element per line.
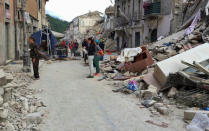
<point>57,24</point>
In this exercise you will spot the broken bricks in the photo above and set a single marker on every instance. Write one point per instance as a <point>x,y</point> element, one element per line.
<point>163,110</point>
<point>172,92</point>
<point>150,92</point>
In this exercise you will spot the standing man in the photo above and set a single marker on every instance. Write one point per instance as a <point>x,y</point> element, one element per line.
<point>91,53</point>
<point>35,55</point>
<point>97,57</point>
<point>71,48</point>
<point>85,52</point>
<point>76,45</point>
<point>102,46</point>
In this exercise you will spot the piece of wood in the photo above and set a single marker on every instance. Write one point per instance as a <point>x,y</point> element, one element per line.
<point>188,64</point>
<point>201,68</point>
<point>163,124</point>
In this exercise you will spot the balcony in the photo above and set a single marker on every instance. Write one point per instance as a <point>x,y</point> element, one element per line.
<point>152,9</point>
<point>120,22</point>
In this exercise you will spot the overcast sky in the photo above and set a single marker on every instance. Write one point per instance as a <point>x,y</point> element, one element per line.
<point>69,9</point>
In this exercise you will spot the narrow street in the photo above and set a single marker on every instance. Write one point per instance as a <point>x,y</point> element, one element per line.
<point>76,103</point>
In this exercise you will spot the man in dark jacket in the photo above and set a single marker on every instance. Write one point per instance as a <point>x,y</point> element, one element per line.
<point>85,47</point>
<point>35,55</point>
<point>102,46</point>
<point>91,53</point>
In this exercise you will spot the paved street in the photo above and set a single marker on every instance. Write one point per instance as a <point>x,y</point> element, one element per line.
<point>79,104</point>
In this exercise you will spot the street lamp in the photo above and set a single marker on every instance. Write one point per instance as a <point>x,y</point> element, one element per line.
<point>26,55</point>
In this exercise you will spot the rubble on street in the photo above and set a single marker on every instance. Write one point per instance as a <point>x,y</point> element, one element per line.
<point>172,71</point>
<point>20,108</point>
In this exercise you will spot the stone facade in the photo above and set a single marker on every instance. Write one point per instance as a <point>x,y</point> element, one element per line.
<point>7,43</point>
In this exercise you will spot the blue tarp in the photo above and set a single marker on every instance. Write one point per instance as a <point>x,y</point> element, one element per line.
<point>42,35</point>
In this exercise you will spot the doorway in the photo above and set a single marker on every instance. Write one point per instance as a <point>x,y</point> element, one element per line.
<point>137,39</point>
<point>154,35</point>
<point>118,43</point>
<point>7,40</point>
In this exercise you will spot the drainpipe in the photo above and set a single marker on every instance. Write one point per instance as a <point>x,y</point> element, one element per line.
<point>15,24</point>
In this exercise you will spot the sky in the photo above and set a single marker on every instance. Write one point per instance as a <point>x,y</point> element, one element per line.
<point>69,9</point>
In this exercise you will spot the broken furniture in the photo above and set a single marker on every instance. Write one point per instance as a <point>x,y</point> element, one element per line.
<point>141,61</point>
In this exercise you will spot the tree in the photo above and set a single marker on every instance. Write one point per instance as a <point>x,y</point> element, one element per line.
<point>57,24</point>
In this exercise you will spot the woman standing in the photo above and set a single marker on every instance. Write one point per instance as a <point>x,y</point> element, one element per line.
<point>91,53</point>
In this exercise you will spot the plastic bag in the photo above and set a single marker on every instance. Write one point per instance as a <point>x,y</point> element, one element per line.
<point>199,123</point>
<point>132,85</point>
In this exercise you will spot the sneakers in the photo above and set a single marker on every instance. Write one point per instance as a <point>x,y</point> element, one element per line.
<point>36,78</point>
<point>90,76</point>
<point>97,74</point>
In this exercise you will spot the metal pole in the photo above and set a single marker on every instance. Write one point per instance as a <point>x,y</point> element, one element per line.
<point>26,56</point>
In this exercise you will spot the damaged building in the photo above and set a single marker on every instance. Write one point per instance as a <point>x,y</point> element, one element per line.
<point>144,21</point>
<point>11,26</point>
<point>35,21</point>
<point>7,29</point>
<point>80,26</point>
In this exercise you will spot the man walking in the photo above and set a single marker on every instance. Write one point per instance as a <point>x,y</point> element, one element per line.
<point>35,55</point>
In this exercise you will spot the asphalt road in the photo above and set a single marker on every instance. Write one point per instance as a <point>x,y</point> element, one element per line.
<point>76,103</point>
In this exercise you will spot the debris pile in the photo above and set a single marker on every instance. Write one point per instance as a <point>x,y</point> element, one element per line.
<point>177,45</point>
<point>173,71</point>
<point>20,109</point>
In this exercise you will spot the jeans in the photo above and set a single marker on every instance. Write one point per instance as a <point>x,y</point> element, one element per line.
<point>35,67</point>
<point>96,63</point>
<point>91,65</point>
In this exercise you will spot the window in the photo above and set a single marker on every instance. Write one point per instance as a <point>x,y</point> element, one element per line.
<point>118,7</point>
<point>137,39</point>
<point>128,12</point>
<point>139,11</point>
<point>7,11</point>
<point>39,4</point>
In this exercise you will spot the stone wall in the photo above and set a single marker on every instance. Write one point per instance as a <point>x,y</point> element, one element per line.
<point>7,47</point>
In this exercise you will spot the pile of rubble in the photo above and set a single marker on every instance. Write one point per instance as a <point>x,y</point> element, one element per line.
<point>20,109</point>
<point>178,45</point>
<point>173,71</point>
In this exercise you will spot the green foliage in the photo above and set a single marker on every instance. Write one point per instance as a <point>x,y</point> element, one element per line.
<point>57,24</point>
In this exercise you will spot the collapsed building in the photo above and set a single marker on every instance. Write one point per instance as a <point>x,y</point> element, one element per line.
<point>80,26</point>
<point>173,69</point>
<point>144,21</point>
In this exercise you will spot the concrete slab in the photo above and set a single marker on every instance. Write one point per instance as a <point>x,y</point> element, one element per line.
<point>3,79</point>
<point>173,64</point>
<point>189,114</point>
<point>150,80</point>
<point>9,77</point>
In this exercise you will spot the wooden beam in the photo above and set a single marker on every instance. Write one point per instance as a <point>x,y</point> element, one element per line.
<point>188,64</point>
<point>201,68</point>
